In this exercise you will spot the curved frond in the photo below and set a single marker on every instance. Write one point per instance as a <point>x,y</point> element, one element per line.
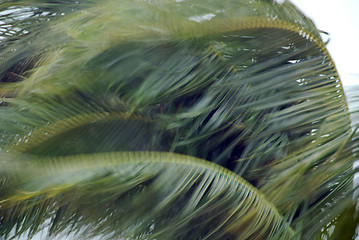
<point>51,129</point>
<point>144,194</point>
<point>247,85</point>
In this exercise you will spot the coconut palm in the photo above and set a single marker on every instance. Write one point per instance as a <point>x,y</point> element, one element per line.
<point>171,119</point>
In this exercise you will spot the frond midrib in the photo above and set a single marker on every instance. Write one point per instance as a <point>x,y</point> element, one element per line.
<point>55,166</point>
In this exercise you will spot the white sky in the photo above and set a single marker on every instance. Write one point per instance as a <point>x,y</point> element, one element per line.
<point>340,18</point>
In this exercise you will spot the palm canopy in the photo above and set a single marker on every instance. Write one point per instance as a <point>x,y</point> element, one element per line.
<point>171,120</point>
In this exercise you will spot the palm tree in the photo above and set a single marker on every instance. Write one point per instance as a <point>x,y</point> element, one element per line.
<point>166,119</point>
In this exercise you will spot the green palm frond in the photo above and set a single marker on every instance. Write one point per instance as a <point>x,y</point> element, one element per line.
<point>79,127</point>
<point>145,194</point>
<point>247,85</point>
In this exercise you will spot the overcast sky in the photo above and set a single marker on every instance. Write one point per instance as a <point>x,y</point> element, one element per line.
<point>340,18</point>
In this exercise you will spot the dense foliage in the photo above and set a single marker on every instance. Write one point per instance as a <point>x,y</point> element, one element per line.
<point>164,119</point>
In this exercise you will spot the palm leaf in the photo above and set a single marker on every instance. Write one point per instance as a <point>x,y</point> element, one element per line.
<point>82,128</point>
<point>249,86</point>
<point>145,194</point>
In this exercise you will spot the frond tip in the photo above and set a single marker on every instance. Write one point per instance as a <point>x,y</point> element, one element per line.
<point>135,195</point>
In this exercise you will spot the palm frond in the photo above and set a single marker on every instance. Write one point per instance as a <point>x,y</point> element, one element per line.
<point>145,194</point>
<point>247,85</point>
<point>80,126</point>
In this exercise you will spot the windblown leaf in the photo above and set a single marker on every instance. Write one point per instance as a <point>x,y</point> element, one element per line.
<point>144,194</point>
<point>248,85</point>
